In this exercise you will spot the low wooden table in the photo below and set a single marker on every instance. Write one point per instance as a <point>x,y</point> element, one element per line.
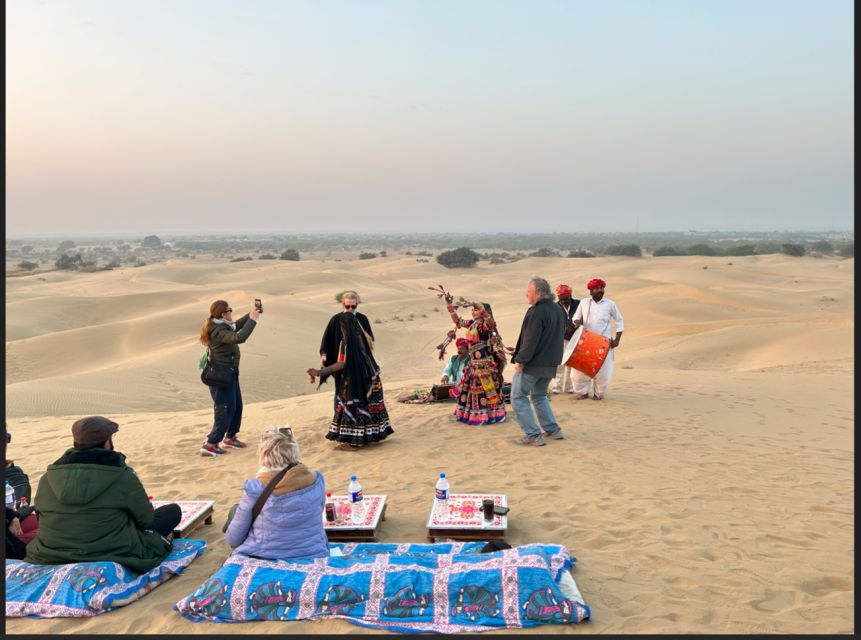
<point>344,530</point>
<point>465,520</point>
<point>194,513</point>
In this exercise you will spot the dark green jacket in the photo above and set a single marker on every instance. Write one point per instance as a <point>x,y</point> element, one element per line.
<point>92,507</point>
<point>224,341</point>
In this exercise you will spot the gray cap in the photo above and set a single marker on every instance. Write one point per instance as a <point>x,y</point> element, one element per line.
<point>93,430</point>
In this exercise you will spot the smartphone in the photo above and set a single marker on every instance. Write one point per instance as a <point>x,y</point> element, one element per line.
<point>258,303</point>
<point>500,510</point>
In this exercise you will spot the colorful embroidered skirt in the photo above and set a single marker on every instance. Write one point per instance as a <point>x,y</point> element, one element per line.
<point>479,400</point>
<point>361,423</point>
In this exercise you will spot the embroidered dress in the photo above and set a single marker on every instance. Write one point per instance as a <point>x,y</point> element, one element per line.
<point>478,393</point>
<point>360,414</point>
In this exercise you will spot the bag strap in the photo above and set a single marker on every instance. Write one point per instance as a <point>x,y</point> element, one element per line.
<point>261,500</point>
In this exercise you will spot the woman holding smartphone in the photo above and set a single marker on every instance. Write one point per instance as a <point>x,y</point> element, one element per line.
<point>222,337</point>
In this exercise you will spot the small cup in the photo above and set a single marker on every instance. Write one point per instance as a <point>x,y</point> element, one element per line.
<point>487,508</point>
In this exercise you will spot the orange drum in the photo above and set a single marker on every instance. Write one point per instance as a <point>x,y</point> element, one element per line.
<point>586,351</point>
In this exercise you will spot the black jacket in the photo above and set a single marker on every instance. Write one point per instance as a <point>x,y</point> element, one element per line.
<point>539,345</point>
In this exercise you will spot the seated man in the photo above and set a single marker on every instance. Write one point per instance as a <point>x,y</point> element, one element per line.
<point>454,369</point>
<point>92,507</point>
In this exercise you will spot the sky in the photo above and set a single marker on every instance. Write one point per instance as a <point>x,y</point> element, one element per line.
<point>289,116</point>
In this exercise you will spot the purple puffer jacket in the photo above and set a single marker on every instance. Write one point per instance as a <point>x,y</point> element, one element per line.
<point>289,526</point>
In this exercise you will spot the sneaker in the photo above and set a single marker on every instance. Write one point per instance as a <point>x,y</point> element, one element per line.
<point>233,443</point>
<point>531,441</point>
<point>554,435</point>
<point>211,450</point>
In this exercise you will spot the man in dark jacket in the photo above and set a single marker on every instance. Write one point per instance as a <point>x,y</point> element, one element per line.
<point>536,356</point>
<point>92,507</point>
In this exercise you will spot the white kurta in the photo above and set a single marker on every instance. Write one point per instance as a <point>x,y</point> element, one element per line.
<point>596,317</point>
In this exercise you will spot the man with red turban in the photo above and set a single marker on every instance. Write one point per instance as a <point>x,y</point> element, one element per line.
<point>595,314</point>
<point>457,363</point>
<point>563,382</point>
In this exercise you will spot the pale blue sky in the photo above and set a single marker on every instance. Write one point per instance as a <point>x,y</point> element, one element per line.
<point>181,116</point>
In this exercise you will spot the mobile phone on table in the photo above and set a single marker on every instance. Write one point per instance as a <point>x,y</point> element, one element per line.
<point>500,510</point>
<point>258,304</point>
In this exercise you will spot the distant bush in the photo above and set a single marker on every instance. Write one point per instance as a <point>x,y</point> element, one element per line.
<point>741,250</point>
<point>847,250</point>
<point>383,254</point>
<point>69,263</point>
<point>366,255</point>
<point>267,256</point>
<point>27,265</point>
<point>245,259</point>
<point>822,246</point>
<point>625,250</point>
<point>579,253</point>
<point>424,253</point>
<point>795,250</point>
<point>65,245</point>
<point>544,253</point>
<point>703,250</point>
<point>458,258</point>
<point>151,241</point>
<point>290,254</point>
<point>768,247</point>
<point>669,251</point>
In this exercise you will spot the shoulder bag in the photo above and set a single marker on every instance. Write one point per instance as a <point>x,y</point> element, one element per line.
<point>216,374</point>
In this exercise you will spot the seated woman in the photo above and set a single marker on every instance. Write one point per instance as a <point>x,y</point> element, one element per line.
<point>290,525</point>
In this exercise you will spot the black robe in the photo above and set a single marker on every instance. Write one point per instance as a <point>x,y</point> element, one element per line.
<point>332,340</point>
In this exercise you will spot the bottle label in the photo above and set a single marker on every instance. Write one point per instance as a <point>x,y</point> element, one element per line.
<point>442,494</point>
<point>356,496</point>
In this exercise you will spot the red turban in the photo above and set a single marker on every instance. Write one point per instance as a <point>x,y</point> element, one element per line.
<point>595,283</point>
<point>563,290</point>
<point>461,342</point>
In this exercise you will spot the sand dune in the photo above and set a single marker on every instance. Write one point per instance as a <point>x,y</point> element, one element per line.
<point>712,491</point>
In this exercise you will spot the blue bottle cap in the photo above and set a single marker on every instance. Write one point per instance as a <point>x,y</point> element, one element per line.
<point>442,475</point>
<point>352,477</point>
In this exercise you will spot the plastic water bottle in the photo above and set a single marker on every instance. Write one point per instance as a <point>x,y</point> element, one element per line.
<point>10,496</point>
<point>442,497</point>
<point>357,504</point>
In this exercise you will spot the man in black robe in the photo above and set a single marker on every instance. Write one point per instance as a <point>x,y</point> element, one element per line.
<point>332,335</point>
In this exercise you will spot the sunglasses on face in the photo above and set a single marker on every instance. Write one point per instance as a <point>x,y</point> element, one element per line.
<point>228,310</point>
<point>287,431</point>
<point>350,306</point>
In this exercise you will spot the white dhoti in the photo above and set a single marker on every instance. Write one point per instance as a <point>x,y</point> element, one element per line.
<point>563,381</point>
<point>597,386</point>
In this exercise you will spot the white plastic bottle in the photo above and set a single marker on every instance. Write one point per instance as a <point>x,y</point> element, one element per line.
<point>10,496</point>
<point>357,503</point>
<point>442,497</point>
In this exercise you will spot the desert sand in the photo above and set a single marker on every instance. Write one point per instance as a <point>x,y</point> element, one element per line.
<point>711,491</point>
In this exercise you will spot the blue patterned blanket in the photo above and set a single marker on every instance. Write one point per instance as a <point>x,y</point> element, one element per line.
<point>87,588</point>
<point>444,588</point>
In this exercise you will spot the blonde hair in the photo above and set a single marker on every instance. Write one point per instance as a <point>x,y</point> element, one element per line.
<point>277,449</point>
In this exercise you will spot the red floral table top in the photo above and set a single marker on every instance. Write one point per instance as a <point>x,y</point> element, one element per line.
<point>373,510</point>
<point>465,512</point>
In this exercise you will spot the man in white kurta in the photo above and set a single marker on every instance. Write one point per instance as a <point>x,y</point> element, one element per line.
<point>595,313</point>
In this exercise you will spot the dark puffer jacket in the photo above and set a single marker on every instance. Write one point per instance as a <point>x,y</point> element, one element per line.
<point>92,507</point>
<point>224,341</point>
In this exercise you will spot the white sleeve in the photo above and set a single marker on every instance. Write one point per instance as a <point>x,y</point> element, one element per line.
<point>578,314</point>
<point>617,316</point>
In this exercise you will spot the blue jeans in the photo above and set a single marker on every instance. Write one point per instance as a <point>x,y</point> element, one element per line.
<point>228,411</point>
<point>523,388</point>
